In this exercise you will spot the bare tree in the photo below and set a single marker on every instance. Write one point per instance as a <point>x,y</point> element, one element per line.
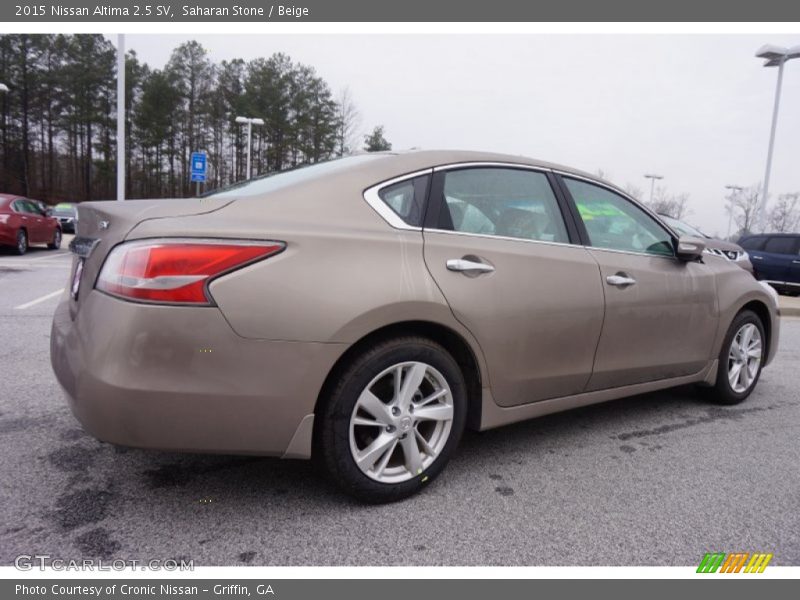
<point>785,214</point>
<point>744,208</point>
<point>673,205</point>
<point>603,174</point>
<point>634,191</point>
<point>348,122</point>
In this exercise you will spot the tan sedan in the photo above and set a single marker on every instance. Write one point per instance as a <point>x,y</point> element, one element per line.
<point>364,311</point>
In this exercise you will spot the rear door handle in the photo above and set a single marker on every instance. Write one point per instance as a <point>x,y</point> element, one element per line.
<point>463,264</point>
<point>756,257</point>
<point>620,280</point>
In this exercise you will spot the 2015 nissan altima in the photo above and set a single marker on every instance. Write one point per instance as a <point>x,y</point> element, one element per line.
<point>364,311</point>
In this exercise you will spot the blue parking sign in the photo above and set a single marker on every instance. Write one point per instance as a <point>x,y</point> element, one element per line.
<point>199,166</point>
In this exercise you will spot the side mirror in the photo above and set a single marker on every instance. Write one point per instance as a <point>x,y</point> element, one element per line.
<point>690,248</point>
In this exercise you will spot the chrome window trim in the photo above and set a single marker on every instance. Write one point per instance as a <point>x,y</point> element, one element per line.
<point>506,165</point>
<point>490,236</point>
<point>372,196</point>
<point>633,253</point>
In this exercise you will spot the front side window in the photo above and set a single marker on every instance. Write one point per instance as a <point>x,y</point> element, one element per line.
<point>615,223</point>
<point>505,202</point>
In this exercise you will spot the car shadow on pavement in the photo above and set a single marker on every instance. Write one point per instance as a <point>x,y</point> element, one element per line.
<point>208,478</point>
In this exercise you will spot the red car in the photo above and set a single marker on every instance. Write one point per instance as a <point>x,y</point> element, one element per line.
<point>23,223</point>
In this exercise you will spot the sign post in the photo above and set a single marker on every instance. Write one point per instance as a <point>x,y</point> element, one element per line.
<point>199,168</point>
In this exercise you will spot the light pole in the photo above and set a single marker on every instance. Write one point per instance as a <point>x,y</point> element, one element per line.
<point>652,179</point>
<point>735,189</point>
<point>250,122</point>
<point>776,57</point>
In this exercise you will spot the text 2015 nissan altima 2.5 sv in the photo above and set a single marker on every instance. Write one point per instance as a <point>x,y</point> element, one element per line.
<point>364,311</point>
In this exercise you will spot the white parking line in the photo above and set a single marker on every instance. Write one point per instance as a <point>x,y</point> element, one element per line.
<point>52,256</point>
<point>38,300</point>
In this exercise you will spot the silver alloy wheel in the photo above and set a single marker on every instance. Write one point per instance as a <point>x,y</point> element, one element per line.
<point>401,422</point>
<point>57,239</point>
<point>22,242</point>
<point>744,358</point>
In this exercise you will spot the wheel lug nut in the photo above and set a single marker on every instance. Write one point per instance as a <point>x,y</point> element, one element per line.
<point>390,428</point>
<point>395,411</point>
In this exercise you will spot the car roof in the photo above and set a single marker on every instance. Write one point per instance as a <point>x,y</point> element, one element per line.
<point>425,158</point>
<point>397,163</point>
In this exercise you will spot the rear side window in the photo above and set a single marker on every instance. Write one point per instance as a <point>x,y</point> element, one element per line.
<point>781,245</point>
<point>753,243</point>
<point>407,199</point>
<point>515,203</point>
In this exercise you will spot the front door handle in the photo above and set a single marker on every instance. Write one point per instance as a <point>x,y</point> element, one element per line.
<point>463,264</point>
<point>756,257</point>
<point>620,280</point>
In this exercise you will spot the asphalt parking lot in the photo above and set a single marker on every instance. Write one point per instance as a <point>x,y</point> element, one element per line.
<point>658,479</point>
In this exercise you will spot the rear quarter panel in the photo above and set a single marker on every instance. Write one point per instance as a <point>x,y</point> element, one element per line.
<point>344,273</point>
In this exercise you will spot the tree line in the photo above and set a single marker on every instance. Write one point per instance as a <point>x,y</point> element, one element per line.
<point>59,118</point>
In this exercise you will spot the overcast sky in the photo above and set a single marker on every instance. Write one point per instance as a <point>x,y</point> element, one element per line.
<point>693,108</point>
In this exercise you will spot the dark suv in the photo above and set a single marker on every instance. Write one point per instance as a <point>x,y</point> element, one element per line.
<point>776,259</point>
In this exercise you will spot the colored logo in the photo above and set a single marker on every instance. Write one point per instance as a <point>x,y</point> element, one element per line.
<point>737,562</point>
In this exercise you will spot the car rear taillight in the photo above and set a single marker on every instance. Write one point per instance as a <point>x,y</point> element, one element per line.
<point>176,271</point>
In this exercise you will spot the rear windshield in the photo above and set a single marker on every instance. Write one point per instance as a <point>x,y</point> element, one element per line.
<point>275,181</point>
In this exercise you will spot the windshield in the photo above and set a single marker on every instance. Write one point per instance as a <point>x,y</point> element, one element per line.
<point>275,181</point>
<point>683,228</point>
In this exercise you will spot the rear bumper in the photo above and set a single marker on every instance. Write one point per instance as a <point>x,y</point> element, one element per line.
<point>180,379</point>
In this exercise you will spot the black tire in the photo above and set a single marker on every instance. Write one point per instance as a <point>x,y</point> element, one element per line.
<point>22,242</point>
<point>722,392</point>
<point>56,243</point>
<point>332,436</point>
